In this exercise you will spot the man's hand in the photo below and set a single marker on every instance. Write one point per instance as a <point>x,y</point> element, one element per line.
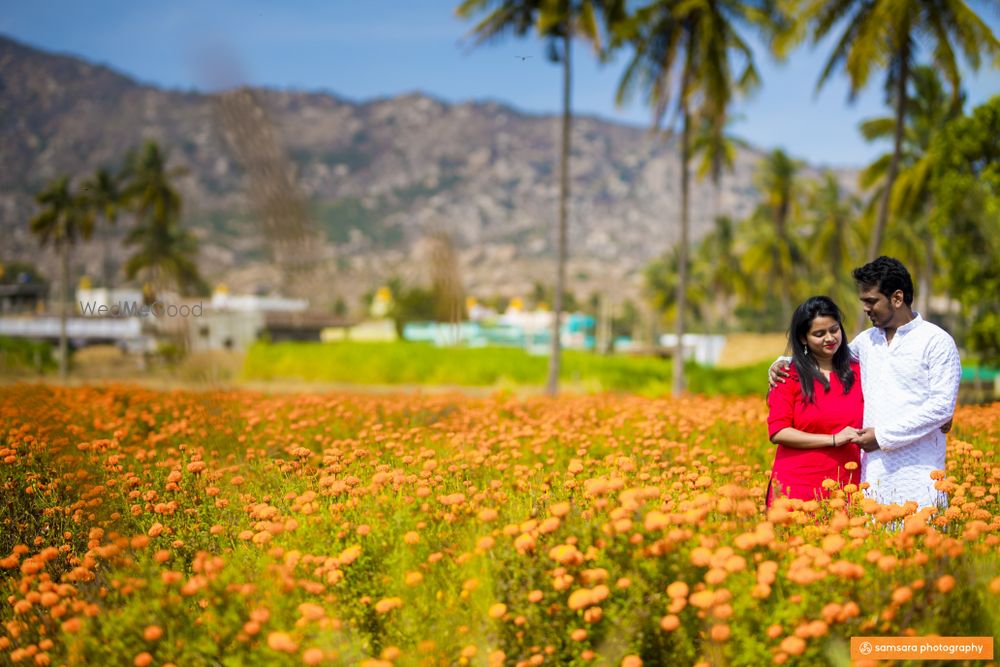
<point>847,435</point>
<point>946,427</point>
<point>778,372</point>
<point>866,440</point>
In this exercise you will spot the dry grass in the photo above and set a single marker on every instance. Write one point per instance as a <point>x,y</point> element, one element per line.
<point>744,349</point>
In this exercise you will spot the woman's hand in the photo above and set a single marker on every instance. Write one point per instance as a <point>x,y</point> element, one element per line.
<point>846,435</point>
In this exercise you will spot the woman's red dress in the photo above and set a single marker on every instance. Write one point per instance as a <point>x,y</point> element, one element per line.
<point>799,473</point>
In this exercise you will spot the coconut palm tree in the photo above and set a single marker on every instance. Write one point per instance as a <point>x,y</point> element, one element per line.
<point>166,253</point>
<point>773,231</point>
<point>165,250</point>
<point>660,286</point>
<point>558,21</point>
<point>889,34</point>
<point>691,56</point>
<point>717,260</point>
<point>928,110</point>
<point>103,193</point>
<point>149,190</point>
<point>835,239</point>
<point>64,219</point>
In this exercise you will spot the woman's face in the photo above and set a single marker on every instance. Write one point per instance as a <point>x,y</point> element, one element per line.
<point>823,338</point>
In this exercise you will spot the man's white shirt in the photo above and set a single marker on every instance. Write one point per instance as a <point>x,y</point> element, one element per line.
<point>910,387</point>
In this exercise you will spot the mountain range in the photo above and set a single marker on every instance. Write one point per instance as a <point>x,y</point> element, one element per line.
<point>377,179</point>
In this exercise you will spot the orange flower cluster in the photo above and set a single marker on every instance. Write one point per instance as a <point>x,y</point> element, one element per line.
<point>176,528</point>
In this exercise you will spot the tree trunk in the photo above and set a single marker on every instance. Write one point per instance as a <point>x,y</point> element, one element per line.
<point>552,387</point>
<point>106,269</point>
<point>784,273</point>
<point>890,178</point>
<point>682,269</point>
<point>923,305</point>
<point>64,312</point>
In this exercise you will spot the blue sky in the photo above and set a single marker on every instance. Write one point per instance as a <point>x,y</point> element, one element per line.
<point>363,49</point>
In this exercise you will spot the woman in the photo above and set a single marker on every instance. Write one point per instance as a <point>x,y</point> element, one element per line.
<point>815,416</point>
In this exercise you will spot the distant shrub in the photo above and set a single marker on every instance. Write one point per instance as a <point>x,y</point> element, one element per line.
<point>19,356</point>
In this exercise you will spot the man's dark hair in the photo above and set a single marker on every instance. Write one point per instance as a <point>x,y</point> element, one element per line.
<point>888,275</point>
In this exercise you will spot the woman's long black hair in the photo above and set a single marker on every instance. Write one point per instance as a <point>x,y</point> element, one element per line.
<point>809,372</point>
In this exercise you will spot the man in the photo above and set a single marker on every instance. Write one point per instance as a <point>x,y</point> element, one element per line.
<point>910,372</point>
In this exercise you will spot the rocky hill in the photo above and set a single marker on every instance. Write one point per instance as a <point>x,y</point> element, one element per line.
<point>378,177</point>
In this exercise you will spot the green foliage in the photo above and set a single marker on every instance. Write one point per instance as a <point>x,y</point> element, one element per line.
<point>424,364</point>
<point>967,189</point>
<point>661,277</point>
<point>12,272</point>
<point>165,250</point>
<point>65,216</point>
<point>20,355</point>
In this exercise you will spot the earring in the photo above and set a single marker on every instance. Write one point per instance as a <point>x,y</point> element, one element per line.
<point>805,349</point>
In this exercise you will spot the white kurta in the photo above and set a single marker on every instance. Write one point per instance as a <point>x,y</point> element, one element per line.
<point>910,387</point>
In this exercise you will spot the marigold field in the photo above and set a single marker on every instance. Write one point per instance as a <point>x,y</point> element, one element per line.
<point>237,528</point>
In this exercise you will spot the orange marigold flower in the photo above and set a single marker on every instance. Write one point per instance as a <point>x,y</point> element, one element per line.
<point>833,543</point>
<point>580,598</point>
<point>311,611</point>
<point>349,555</point>
<point>386,605</point>
<point>793,645</point>
<point>678,589</point>
<point>72,625</point>
<point>656,520</point>
<point>945,583</point>
<point>902,594</point>
<point>720,632</point>
<point>312,656</point>
<point>702,599</point>
<point>524,542</point>
<point>669,623</point>
<point>282,642</point>
<point>701,557</point>
<point>559,509</point>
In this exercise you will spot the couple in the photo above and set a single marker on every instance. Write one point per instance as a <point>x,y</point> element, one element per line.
<point>890,394</point>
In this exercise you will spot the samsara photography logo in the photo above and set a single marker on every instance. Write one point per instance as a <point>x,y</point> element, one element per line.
<point>158,309</point>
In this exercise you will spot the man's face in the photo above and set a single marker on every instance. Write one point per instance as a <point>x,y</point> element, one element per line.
<point>879,308</point>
